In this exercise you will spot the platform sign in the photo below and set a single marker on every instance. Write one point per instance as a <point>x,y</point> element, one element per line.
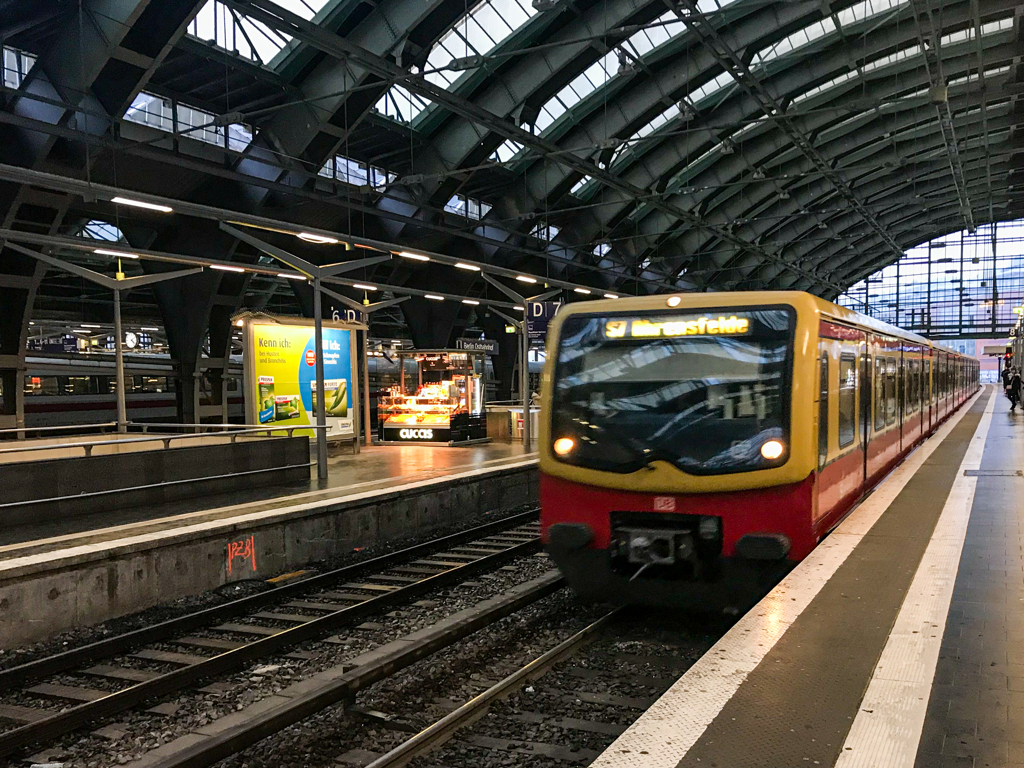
<point>280,374</point>
<point>488,346</point>
<point>538,315</point>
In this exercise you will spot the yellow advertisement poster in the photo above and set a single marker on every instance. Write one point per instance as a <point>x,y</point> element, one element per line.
<point>282,376</point>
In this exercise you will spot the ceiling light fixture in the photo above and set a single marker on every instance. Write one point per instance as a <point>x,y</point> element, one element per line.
<point>309,237</point>
<point>473,302</point>
<point>291,275</point>
<point>526,279</point>
<point>226,268</point>
<point>119,254</point>
<point>518,308</point>
<point>468,267</point>
<point>584,291</point>
<point>364,287</point>
<point>414,256</point>
<point>433,297</point>
<point>141,204</point>
<point>610,296</point>
<point>85,325</point>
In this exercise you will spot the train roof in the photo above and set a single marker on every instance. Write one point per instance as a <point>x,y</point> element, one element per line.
<point>798,299</point>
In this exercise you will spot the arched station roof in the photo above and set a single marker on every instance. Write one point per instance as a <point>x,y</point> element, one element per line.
<point>621,146</point>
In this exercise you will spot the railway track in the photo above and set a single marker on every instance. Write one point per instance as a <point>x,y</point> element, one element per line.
<point>565,706</point>
<point>79,688</point>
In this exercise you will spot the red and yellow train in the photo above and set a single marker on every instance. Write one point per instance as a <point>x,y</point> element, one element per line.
<point>694,447</point>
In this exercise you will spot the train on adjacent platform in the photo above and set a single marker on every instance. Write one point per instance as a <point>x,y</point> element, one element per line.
<point>695,447</point>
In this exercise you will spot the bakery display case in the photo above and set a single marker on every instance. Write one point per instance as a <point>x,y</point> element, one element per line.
<point>444,405</point>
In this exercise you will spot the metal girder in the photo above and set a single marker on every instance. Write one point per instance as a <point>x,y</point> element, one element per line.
<point>277,17</point>
<point>811,69</point>
<point>881,192</point>
<point>897,176</point>
<point>733,63</point>
<point>526,82</point>
<point>111,283</point>
<point>930,45</point>
<point>851,139</point>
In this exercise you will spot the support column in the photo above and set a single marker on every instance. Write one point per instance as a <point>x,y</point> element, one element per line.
<point>122,410</point>
<point>524,383</point>
<point>321,406</point>
<point>367,429</point>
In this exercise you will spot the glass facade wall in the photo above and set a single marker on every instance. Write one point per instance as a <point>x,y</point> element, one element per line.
<point>963,284</point>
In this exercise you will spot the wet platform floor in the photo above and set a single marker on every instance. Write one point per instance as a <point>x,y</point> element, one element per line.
<point>374,468</point>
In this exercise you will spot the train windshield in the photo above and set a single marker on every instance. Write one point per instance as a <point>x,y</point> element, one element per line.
<point>703,390</point>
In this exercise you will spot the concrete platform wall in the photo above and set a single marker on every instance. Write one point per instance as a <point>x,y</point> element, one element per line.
<point>45,594</point>
<point>64,487</point>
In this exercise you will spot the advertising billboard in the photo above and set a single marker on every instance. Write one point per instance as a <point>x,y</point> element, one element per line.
<point>280,370</point>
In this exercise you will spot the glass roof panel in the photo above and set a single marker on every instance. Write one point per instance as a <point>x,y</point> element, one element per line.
<point>477,33</point>
<point>236,32</point>
<point>639,44</point>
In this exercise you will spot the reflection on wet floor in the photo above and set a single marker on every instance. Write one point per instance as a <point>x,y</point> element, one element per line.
<point>411,462</point>
<point>375,467</point>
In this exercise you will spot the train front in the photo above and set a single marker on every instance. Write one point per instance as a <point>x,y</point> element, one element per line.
<point>675,447</point>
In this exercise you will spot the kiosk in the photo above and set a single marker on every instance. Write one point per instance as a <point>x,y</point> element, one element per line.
<point>443,406</point>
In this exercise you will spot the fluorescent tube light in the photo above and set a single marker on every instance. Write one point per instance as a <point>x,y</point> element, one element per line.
<point>469,267</point>
<point>142,204</point>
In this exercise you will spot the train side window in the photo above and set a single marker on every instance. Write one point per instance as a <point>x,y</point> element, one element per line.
<point>879,394</point>
<point>928,380</point>
<point>890,390</point>
<point>823,412</point>
<point>847,399</point>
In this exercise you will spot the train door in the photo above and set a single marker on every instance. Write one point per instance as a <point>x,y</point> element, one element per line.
<point>901,395</point>
<point>927,384</point>
<point>865,404</point>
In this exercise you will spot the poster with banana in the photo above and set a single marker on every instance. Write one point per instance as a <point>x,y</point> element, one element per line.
<point>283,376</point>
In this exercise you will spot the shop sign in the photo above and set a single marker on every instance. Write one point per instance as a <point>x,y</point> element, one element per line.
<point>490,346</point>
<point>539,315</point>
<point>399,434</point>
<point>283,376</point>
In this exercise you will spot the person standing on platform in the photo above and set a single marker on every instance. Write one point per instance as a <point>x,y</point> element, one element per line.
<point>1015,388</point>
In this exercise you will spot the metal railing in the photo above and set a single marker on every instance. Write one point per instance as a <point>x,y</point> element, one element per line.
<point>200,429</point>
<point>87,447</point>
<point>65,428</point>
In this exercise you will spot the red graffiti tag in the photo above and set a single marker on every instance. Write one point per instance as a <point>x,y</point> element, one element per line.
<point>244,550</point>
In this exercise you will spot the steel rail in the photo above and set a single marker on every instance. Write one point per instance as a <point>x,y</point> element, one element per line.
<point>443,729</point>
<point>112,646</point>
<point>344,688</point>
<point>72,719</point>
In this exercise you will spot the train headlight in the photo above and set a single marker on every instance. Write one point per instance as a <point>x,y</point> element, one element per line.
<point>564,445</point>
<point>772,450</point>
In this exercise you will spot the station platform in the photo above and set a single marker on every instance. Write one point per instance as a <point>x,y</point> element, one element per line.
<point>60,574</point>
<point>899,642</point>
<point>375,467</point>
